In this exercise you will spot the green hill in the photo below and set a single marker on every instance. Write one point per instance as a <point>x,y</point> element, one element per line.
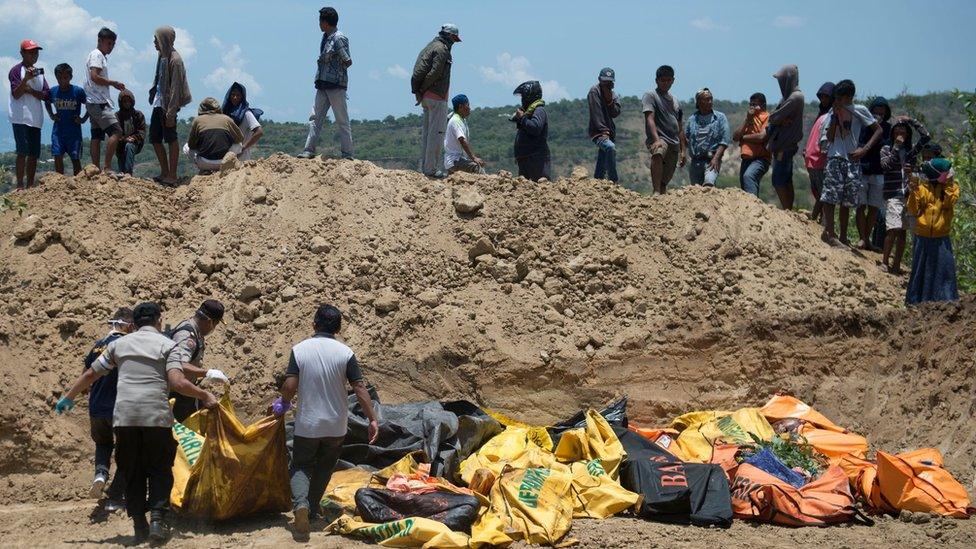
<point>394,141</point>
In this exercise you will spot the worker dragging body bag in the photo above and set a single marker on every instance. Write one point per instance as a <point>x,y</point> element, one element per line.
<point>225,470</point>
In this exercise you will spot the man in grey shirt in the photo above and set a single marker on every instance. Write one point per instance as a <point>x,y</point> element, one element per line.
<point>662,124</point>
<point>318,370</point>
<point>142,420</point>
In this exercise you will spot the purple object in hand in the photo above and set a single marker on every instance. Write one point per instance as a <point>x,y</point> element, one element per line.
<point>279,407</point>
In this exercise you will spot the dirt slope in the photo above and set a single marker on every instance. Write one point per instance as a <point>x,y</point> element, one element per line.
<point>532,298</point>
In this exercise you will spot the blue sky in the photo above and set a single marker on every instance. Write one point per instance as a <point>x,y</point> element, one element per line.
<point>730,47</point>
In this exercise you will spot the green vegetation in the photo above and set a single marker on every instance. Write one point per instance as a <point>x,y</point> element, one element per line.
<point>394,142</point>
<point>794,451</point>
<point>962,149</point>
<point>7,202</point>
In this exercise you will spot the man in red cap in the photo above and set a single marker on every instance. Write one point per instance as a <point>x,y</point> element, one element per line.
<point>28,90</point>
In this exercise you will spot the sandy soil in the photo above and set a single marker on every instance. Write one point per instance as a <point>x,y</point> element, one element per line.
<point>536,299</point>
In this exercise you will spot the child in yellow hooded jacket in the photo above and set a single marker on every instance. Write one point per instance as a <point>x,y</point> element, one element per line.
<point>933,193</point>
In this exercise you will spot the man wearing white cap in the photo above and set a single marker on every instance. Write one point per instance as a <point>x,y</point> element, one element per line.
<point>430,84</point>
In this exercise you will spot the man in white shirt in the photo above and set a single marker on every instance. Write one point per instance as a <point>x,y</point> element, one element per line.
<point>318,371</point>
<point>28,89</point>
<point>100,110</point>
<point>458,156</point>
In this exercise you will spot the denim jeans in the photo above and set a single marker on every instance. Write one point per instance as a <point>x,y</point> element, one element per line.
<point>126,156</point>
<point>751,173</point>
<point>606,160</point>
<point>336,100</point>
<point>700,173</point>
<point>312,462</point>
<point>783,168</point>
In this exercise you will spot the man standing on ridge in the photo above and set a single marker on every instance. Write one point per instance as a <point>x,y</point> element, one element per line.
<point>169,93</point>
<point>142,421</point>
<point>318,370</point>
<point>331,83</point>
<point>785,131</point>
<point>604,106</point>
<point>430,84</point>
<point>662,125</point>
<point>708,135</point>
<point>28,90</point>
<point>99,106</point>
<point>190,344</point>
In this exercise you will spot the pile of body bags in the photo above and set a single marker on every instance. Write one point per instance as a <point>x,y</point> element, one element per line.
<point>452,474</point>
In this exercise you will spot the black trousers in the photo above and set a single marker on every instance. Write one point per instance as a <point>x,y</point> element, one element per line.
<point>312,462</point>
<point>104,438</point>
<point>534,168</point>
<point>146,455</point>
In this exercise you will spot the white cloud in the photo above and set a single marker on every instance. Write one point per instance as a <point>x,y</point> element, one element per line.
<point>787,21</point>
<point>707,24</point>
<point>231,70</point>
<point>67,32</point>
<point>375,74</point>
<point>397,71</point>
<point>185,43</point>
<point>513,70</point>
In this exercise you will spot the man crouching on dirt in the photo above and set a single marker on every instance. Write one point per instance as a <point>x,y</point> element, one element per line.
<point>142,420</point>
<point>318,370</point>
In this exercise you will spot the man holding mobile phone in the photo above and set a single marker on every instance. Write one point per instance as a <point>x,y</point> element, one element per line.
<point>28,88</point>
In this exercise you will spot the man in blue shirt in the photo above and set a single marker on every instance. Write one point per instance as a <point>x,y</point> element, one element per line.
<point>101,405</point>
<point>708,135</point>
<point>66,100</point>
<point>331,82</point>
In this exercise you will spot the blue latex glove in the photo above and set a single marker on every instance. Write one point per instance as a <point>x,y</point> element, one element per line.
<point>64,404</point>
<point>279,407</point>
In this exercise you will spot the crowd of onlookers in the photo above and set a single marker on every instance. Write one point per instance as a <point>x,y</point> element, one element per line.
<point>230,127</point>
<point>885,168</point>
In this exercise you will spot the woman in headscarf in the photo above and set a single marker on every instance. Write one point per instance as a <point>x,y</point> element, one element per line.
<point>247,118</point>
<point>532,133</point>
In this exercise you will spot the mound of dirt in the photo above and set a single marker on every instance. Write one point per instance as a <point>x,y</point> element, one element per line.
<point>532,298</point>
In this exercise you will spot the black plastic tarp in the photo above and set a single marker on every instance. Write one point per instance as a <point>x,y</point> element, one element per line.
<point>446,432</point>
<point>457,511</point>
<point>615,413</point>
<point>674,491</point>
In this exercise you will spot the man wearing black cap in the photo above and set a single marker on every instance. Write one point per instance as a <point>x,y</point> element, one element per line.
<point>189,337</point>
<point>604,107</point>
<point>142,421</point>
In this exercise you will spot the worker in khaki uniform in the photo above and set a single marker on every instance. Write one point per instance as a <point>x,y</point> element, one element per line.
<point>142,420</point>
<point>190,346</point>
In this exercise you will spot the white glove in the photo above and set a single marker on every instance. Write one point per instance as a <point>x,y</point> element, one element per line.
<point>215,376</point>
